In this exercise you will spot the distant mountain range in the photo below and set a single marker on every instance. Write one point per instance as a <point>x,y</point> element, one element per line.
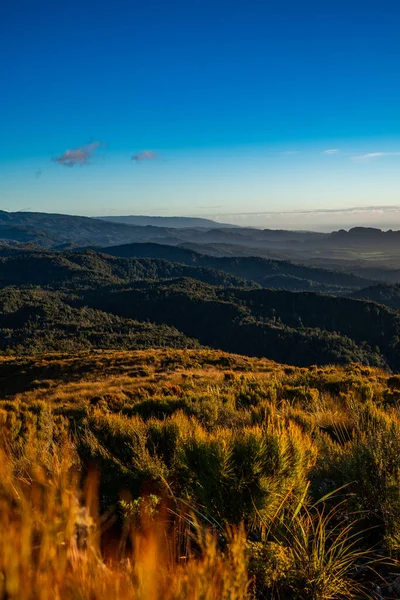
<point>365,252</point>
<point>176,222</point>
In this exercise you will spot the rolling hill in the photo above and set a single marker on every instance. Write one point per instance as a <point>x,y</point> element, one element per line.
<point>266,272</point>
<point>89,299</point>
<point>300,328</point>
<point>369,253</point>
<point>176,222</point>
<point>74,270</point>
<point>382,293</point>
<point>99,446</point>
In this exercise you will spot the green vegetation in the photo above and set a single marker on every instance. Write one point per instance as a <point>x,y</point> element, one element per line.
<point>304,461</point>
<point>383,293</point>
<point>139,461</point>
<point>33,321</point>
<point>297,328</point>
<point>80,300</point>
<point>268,273</point>
<point>56,270</point>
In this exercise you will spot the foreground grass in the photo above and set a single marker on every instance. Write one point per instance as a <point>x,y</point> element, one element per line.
<point>50,547</point>
<point>197,474</point>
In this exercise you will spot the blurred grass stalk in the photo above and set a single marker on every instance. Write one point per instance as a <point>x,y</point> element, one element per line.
<point>50,546</point>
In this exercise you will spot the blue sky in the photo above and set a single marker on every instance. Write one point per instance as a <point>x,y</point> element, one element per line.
<point>235,104</point>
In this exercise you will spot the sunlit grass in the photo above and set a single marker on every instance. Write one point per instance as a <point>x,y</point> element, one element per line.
<point>237,454</point>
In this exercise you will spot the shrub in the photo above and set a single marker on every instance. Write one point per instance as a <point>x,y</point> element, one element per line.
<point>241,475</point>
<point>270,564</point>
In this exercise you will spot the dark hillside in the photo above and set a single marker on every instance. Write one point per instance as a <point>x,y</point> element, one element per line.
<point>303,328</point>
<point>64,269</point>
<point>89,299</point>
<point>383,293</point>
<point>34,321</point>
<point>253,268</point>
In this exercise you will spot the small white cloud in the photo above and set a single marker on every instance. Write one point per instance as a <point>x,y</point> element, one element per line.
<point>372,155</point>
<point>289,152</point>
<point>331,151</point>
<point>78,156</point>
<point>145,155</point>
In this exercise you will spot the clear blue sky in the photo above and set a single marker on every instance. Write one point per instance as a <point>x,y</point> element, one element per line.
<point>236,104</point>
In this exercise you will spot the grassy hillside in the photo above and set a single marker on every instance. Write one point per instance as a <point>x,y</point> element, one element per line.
<point>186,474</point>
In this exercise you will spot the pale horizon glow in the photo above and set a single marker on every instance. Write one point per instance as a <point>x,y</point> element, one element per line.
<point>260,186</point>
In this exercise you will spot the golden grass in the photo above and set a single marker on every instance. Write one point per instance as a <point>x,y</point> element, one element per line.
<point>227,433</point>
<point>78,378</point>
<point>43,557</point>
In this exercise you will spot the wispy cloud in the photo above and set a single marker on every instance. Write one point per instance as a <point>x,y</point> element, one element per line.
<point>209,206</point>
<point>331,151</point>
<point>372,155</point>
<point>80,155</point>
<point>145,155</point>
<point>289,152</point>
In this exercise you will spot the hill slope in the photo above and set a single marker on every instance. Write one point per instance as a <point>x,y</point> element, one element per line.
<point>53,230</point>
<point>23,266</point>
<point>177,222</point>
<point>93,300</point>
<point>230,439</point>
<point>298,328</point>
<point>89,299</point>
<point>34,321</point>
<point>262,270</point>
<point>383,293</point>
<point>367,252</point>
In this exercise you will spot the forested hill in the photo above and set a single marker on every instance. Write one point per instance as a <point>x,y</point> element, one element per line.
<point>54,230</point>
<point>298,328</point>
<point>88,300</point>
<point>19,266</point>
<point>383,293</point>
<point>269,273</point>
<point>30,265</point>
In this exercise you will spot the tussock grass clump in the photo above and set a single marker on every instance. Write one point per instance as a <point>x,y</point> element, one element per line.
<point>52,548</point>
<point>216,478</point>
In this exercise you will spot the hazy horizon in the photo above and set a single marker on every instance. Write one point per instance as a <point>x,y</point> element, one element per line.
<point>295,221</point>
